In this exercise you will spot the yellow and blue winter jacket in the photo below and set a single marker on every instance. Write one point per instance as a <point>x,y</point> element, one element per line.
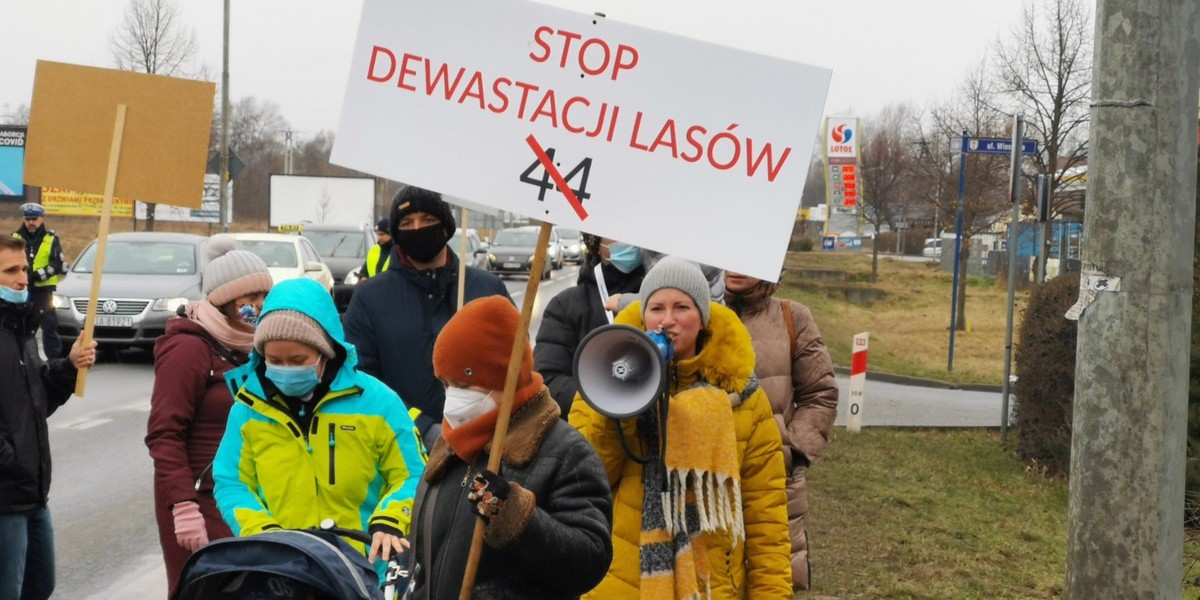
<point>358,463</point>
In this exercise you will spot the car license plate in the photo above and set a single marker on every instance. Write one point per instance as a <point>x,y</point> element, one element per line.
<point>113,321</point>
<point>512,265</point>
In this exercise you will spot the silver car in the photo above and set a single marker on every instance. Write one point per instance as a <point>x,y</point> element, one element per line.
<point>147,276</point>
<point>476,255</point>
<point>571,240</point>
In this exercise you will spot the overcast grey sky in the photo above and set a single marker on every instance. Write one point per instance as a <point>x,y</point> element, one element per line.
<point>296,52</point>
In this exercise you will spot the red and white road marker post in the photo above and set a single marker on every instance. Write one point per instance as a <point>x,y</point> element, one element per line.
<point>858,381</point>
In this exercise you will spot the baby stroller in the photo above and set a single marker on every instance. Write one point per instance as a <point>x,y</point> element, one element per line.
<point>310,564</point>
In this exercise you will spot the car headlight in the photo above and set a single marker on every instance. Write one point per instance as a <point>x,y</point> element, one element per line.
<point>168,304</point>
<point>60,301</point>
<point>352,277</point>
<point>492,257</point>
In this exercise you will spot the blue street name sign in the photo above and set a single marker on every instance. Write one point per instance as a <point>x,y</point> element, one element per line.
<point>974,145</point>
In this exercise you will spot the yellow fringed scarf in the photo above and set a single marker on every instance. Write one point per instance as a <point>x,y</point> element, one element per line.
<point>702,494</point>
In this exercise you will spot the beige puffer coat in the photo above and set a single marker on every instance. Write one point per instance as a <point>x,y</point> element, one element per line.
<point>799,381</point>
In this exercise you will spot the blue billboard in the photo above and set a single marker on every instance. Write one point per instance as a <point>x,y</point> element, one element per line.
<point>12,160</point>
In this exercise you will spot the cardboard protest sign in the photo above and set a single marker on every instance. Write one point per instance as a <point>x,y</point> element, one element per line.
<point>165,139</point>
<point>669,143</point>
<point>85,123</point>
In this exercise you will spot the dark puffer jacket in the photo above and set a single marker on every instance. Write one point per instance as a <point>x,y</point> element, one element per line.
<point>30,391</point>
<point>565,546</point>
<point>569,317</point>
<point>395,317</point>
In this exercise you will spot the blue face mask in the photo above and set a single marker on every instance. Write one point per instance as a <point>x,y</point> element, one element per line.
<point>14,296</point>
<point>248,314</point>
<point>625,257</point>
<point>294,381</point>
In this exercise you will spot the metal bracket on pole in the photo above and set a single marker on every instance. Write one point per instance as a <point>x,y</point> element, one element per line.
<point>1014,196</point>
<point>962,189</point>
<point>1043,197</point>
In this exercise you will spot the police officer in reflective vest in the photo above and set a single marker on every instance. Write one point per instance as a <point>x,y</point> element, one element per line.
<point>380,255</point>
<point>45,255</point>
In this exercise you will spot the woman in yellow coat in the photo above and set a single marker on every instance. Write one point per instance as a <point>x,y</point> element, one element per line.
<point>712,523</point>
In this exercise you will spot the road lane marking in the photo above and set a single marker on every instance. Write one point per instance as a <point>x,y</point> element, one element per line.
<point>88,423</point>
<point>139,406</point>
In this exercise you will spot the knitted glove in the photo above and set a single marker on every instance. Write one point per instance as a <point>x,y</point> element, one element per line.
<point>488,492</point>
<point>189,525</point>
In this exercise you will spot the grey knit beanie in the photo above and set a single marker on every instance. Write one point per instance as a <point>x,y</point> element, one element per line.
<point>232,273</point>
<point>683,275</point>
<point>292,326</point>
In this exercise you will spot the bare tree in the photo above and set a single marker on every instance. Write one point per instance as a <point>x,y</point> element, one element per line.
<point>884,169</point>
<point>1044,70</point>
<point>152,40</point>
<point>254,134</point>
<point>813,194</point>
<point>986,192</point>
<point>15,115</point>
<point>324,205</point>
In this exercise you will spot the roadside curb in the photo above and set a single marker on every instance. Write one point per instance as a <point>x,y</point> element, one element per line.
<point>920,382</point>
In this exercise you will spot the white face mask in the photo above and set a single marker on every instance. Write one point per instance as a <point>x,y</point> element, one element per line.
<point>464,405</point>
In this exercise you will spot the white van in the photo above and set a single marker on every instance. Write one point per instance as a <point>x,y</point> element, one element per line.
<point>933,248</point>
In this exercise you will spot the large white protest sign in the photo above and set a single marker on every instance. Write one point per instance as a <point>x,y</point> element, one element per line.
<point>669,143</point>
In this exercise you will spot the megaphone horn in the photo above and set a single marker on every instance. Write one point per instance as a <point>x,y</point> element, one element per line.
<point>620,370</point>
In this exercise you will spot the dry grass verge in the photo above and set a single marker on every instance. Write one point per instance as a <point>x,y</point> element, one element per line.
<point>909,326</point>
<point>933,515</point>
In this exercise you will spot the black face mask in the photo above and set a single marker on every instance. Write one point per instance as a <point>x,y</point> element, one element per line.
<point>424,244</point>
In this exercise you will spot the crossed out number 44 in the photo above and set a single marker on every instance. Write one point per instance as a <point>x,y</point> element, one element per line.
<point>551,178</point>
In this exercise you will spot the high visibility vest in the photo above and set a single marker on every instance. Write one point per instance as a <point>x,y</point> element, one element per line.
<point>373,267</point>
<point>41,260</point>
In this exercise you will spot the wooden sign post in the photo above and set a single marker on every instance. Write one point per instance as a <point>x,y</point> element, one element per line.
<point>160,133</point>
<point>110,182</point>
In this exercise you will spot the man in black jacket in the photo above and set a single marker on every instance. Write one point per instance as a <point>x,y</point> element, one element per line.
<point>575,312</point>
<point>30,391</point>
<point>395,317</point>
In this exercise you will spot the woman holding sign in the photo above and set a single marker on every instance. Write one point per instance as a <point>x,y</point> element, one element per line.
<point>548,511</point>
<point>704,516</point>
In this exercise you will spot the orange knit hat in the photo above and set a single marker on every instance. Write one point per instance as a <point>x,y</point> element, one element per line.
<point>474,346</point>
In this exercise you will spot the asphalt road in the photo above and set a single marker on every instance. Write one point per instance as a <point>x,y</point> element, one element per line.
<point>101,500</point>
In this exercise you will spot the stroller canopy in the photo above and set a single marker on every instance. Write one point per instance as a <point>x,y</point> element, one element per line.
<point>317,562</point>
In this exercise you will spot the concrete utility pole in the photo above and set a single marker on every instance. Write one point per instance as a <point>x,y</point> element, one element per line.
<point>223,162</point>
<point>1125,513</point>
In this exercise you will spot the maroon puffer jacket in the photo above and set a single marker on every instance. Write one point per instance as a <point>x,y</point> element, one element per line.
<point>188,410</point>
